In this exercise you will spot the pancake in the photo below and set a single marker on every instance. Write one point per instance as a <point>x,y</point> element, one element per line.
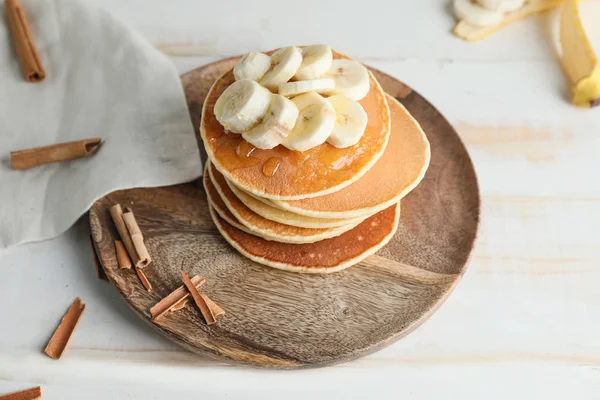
<point>267,211</point>
<point>326,256</point>
<point>396,173</point>
<point>315,172</point>
<point>232,210</point>
<point>214,201</point>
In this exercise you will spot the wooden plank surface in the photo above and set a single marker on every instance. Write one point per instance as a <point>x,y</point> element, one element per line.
<point>523,323</point>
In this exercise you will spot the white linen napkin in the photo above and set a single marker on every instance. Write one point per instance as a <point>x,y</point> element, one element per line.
<point>102,79</point>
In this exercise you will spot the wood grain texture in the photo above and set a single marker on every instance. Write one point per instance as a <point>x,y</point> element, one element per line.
<point>286,320</point>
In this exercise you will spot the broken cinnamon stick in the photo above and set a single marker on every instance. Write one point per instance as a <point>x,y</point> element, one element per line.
<point>122,257</point>
<point>59,341</point>
<point>199,299</point>
<point>31,65</point>
<point>136,236</point>
<point>143,279</point>
<point>178,306</point>
<point>29,158</point>
<point>100,273</point>
<point>214,307</point>
<point>117,216</point>
<point>28,394</point>
<point>174,298</point>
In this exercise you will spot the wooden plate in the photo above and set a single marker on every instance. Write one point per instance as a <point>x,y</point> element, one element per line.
<point>287,320</point>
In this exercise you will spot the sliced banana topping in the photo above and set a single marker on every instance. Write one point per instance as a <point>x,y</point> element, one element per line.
<point>284,64</point>
<point>312,85</point>
<point>350,123</point>
<point>316,61</point>
<point>242,105</point>
<point>266,120</point>
<point>252,66</point>
<point>501,5</point>
<point>351,78</point>
<point>276,124</point>
<point>314,124</point>
<point>475,14</point>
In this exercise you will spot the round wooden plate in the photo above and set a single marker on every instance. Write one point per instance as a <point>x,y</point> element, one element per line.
<point>286,320</point>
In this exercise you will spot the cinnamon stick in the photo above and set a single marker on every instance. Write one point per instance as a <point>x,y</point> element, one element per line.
<point>136,236</point>
<point>122,257</point>
<point>199,299</point>
<point>28,394</point>
<point>59,341</point>
<point>174,298</point>
<point>143,279</point>
<point>31,65</point>
<point>29,158</point>
<point>100,273</point>
<point>214,307</point>
<point>178,306</point>
<point>117,216</point>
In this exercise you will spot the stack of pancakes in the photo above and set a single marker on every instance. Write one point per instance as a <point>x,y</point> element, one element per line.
<point>316,211</point>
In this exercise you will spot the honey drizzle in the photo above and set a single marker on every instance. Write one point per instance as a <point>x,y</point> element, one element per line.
<point>244,149</point>
<point>236,151</point>
<point>271,166</point>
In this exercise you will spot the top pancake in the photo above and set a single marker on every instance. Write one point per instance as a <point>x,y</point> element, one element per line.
<point>397,172</point>
<point>318,171</point>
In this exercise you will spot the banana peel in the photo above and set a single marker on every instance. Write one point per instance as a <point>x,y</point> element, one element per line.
<point>579,61</point>
<point>472,33</point>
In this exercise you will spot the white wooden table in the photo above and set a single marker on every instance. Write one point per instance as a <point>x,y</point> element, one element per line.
<point>523,323</point>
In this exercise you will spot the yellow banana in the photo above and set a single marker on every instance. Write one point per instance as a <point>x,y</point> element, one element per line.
<point>578,59</point>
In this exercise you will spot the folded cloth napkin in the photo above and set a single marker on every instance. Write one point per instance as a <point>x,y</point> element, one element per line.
<point>102,80</point>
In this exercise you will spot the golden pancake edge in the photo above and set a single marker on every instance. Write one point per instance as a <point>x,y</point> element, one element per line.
<point>233,210</point>
<point>325,256</point>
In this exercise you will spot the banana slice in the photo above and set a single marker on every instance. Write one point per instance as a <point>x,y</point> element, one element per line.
<point>501,5</point>
<point>284,64</point>
<point>252,66</point>
<point>314,124</point>
<point>275,126</point>
<point>474,14</point>
<point>350,123</point>
<point>351,78</point>
<point>316,60</point>
<point>242,105</point>
<point>311,85</point>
